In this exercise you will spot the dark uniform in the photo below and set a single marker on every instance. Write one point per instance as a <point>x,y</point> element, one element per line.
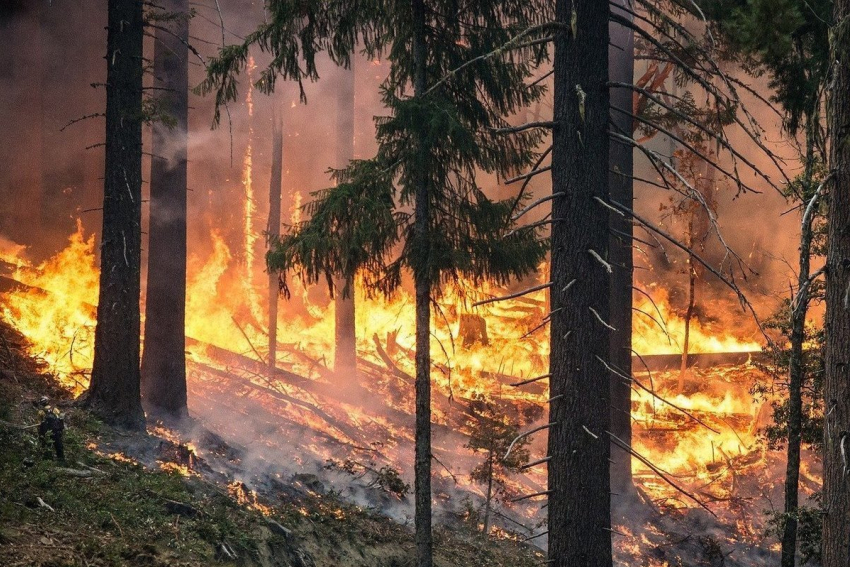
<point>53,422</point>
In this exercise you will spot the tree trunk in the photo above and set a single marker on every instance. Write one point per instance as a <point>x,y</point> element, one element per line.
<point>345,356</point>
<point>422,284</point>
<point>796,370</point>
<point>836,451</point>
<point>622,65</point>
<point>699,226</point>
<point>689,313</point>
<point>489,493</point>
<point>114,389</point>
<point>273,230</point>
<point>164,357</point>
<point>579,481</point>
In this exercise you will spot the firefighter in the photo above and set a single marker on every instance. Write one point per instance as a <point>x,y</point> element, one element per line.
<point>53,422</point>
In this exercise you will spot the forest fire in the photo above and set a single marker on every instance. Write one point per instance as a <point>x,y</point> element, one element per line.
<point>558,283</point>
<point>700,430</point>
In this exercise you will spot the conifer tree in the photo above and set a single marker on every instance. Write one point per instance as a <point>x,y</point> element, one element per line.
<point>163,370</point>
<point>579,387</point>
<point>621,57</point>
<point>789,41</point>
<point>494,436</point>
<point>114,389</point>
<point>417,205</point>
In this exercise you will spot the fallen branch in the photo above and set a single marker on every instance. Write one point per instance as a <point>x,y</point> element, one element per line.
<point>389,361</point>
<point>626,447</point>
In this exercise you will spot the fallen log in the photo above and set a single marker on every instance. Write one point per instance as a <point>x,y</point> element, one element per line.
<point>236,359</point>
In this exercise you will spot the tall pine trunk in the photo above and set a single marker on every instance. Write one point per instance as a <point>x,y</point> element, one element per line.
<point>836,451</point>
<point>796,370</point>
<point>164,357</point>
<point>345,356</point>
<point>621,58</point>
<point>579,482</point>
<point>489,497</point>
<point>273,231</point>
<point>422,284</point>
<point>114,389</point>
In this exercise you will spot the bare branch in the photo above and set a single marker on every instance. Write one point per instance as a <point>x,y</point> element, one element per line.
<point>513,295</point>
<point>524,127</point>
<point>530,380</point>
<point>526,434</point>
<point>536,203</point>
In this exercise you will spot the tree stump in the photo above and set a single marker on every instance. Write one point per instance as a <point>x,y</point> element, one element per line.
<point>473,329</point>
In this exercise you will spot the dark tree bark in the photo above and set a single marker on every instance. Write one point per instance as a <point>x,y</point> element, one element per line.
<point>114,390</point>
<point>836,456</point>
<point>345,356</point>
<point>273,229</point>
<point>489,496</point>
<point>579,481</point>
<point>422,285</point>
<point>796,372</point>
<point>621,58</point>
<point>164,359</point>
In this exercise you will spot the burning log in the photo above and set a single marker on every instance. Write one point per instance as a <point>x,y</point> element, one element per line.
<point>230,357</point>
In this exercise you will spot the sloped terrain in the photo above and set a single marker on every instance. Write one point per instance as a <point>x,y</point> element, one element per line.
<point>146,499</point>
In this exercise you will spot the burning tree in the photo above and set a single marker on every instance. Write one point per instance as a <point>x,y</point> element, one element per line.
<point>494,436</point>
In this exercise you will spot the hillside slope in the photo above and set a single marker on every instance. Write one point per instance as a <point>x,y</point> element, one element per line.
<point>103,507</point>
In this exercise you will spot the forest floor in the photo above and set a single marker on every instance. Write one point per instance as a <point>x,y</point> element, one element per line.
<point>103,507</point>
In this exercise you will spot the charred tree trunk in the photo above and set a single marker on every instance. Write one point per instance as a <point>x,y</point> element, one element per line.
<point>273,230</point>
<point>836,456</point>
<point>114,389</point>
<point>579,449</point>
<point>422,284</point>
<point>164,357</point>
<point>345,355</point>
<point>796,370</point>
<point>622,65</point>
<point>699,226</point>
